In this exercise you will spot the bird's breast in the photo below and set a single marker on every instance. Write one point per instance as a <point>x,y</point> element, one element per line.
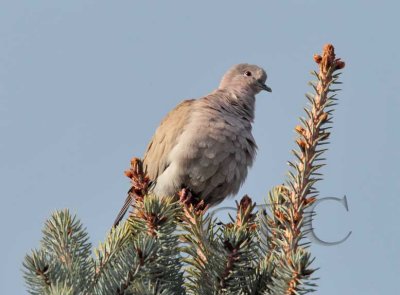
<point>213,154</point>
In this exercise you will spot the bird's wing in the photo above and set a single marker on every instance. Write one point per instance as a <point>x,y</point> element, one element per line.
<point>156,157</point>
<point>165,138</point>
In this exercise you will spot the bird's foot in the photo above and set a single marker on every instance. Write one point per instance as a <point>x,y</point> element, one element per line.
<point>185,196</point>
<point>189,200</point>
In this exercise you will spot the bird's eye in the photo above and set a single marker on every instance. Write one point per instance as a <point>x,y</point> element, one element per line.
<point>247,73</point>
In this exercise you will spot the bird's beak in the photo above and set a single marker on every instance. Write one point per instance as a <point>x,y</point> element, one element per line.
<point>265,87</point>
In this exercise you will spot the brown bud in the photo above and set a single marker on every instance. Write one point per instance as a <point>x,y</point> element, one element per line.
<point>302,144</point>
<point>323,117</point>
<point>296,217</point>
<point>339,64</point>
<point>253,227</point>
<point>245,202</point>
<point>317,58</point>
<point>229,225</point>
<point>134,161</point>
<point>328,48</point>
<point>128,173</point>
<point>299,129</point>
<point>279,215</point>
<point>310,200</point>
<point>282,189</point>
<point>328,57</point>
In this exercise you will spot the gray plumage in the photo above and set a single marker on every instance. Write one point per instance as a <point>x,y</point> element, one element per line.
<point>206,145</point>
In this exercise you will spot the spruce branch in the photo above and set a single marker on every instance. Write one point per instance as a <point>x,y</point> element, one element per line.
<point>157,218</point>
<point>63,289</point>
<point>204,249</point>
<point>289,215</point>
<point>64,260</point>
<point>118,261</point>
<point>241,250</point>
<point>222,257</point>
<point>37,272</point>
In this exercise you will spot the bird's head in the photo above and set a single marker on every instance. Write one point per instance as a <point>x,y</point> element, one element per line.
<point>245,78</point>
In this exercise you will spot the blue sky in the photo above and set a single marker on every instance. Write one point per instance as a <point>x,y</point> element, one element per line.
<point>84,84</point>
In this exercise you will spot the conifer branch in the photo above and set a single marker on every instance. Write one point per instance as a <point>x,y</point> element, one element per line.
<point>202,244</point>
<point>241,248</point>
<point>37,272</point>
<point>64,259</point>
<point>118,260</point>
<point>156,218</point>
<point>292,271</point>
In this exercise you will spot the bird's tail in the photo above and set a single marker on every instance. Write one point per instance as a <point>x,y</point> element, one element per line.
<point>128,201</point>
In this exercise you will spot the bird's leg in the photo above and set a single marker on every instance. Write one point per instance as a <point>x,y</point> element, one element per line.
<point>185,196</point>
<point>188,199</point>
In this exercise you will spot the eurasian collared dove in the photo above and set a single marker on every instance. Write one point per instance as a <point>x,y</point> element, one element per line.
<point>206,144</point>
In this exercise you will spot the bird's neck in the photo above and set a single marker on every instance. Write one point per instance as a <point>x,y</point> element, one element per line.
<point>237,103</point>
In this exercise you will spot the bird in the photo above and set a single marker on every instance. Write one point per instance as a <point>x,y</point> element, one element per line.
<point>206,145</point>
